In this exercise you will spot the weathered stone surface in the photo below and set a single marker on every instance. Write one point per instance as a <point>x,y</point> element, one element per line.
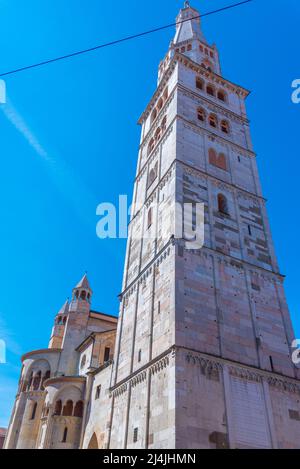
<point>203,346</point>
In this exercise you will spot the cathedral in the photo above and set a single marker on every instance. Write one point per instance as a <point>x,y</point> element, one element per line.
<point>201,354</point>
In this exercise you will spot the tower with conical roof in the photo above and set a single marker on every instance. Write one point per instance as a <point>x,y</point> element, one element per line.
<point>203,350</point>
<point>76,321</point>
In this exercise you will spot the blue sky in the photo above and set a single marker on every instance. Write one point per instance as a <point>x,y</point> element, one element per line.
<point>69,141</point>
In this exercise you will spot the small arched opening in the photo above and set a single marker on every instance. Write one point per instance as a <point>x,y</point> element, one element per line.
<point>213,121</point>
<point>201,114</point>
<point>68,409</point>
<point>225,127</point>
<point>45,377</point>
<point>58,407</point>
<point>33,411</point>
<point>210,90</point>
<point>222,96</point>
<point>78,411</point>
<point>223,204</point>
<point>199,83</point>
<point>37,381</point>
<point>65,435</point>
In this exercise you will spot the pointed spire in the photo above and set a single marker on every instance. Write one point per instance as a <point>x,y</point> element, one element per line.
<point>84,283</point>
<point>64,309</point>
<point>188,25</point>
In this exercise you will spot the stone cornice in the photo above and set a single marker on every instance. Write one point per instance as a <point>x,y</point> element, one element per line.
<point>156,365</point>
<point>228,185</point>
<point>238,263</point>
<point>214,77</point>
<point>240,370</point>
<point>209,364</point>
<point>199,129</point>
<point>216,136</point>
<point>197,172</point>
<point>218,107</point>
<point>40,352</point>
<point>64,379</point>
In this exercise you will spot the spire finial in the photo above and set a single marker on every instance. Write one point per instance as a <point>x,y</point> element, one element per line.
<point>187,4</point>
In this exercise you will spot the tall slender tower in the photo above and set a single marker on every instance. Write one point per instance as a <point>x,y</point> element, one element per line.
<point>203,352</point>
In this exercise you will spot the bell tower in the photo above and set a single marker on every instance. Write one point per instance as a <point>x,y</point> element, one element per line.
<point>75,328</point>
<point>82,295</point>
<point>203,351</point>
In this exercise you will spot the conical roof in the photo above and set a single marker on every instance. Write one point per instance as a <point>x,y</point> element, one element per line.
<point>84,283</point>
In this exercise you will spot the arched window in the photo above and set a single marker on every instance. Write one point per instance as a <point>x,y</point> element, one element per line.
<point>201,114</point>
<point>152,177</point>
<point>151,146</point>
<point>199,83</point>
<point>106,354</point>
<point>33,411</point>
<point>153,115</point>
<point>59,320</point>
<point>65,320</point>
<point>218,160</point>
<point>30,382</point>
<point>65,435</point>
<point>189,47</point>
<point>212,156</point>
<point>45,377</point>
<point>160,104</point>
<point>98,391</point>
<point>222,204</point>
<point>183,50</point>
<point>37,381</point>
<point>140,356</point>
<point>68,409</point>
<point>222,96</point>
<point>149,217</point>
<point>83,295</point>
<point>157,135</point>
<point>225,127</point>
<point>58,408</point>
<point>213,120</point>
<point>210,90</point>
<point>221,161</point>
<point>164,124</point>
<point>211,54</point>
<point>166,94</point>
<point>78,411</point>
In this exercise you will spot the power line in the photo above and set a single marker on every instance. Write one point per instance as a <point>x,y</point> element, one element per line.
<point>118,41</point>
